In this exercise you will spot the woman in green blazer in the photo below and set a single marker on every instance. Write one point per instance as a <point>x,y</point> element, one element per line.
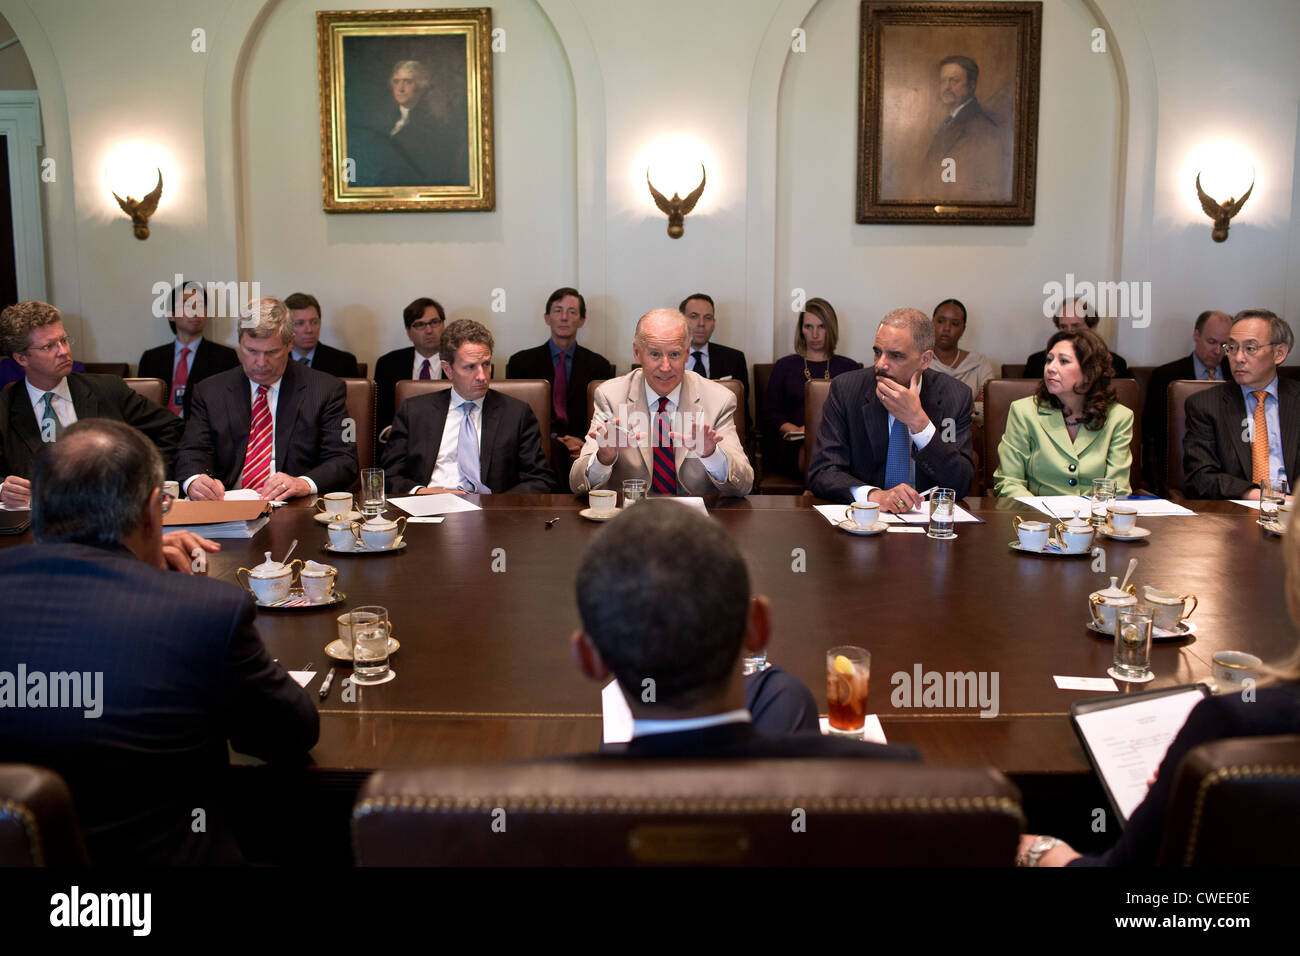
<point>1072,431</point>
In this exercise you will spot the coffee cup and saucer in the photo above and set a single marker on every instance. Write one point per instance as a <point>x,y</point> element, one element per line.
<point>337,506</point>
<point>602,504</point>
<point>862,518</point>
<point>1121,523</point>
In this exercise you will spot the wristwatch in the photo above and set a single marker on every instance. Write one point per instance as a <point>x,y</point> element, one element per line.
<point>1036,850</point>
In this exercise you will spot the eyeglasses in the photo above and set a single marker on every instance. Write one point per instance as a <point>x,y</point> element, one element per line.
<point>1250,350</point>
<point>425,326</point>
<point>167,499</point>
<point>64,342</point>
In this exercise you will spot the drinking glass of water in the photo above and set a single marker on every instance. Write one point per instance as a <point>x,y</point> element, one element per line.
<point>370,629</point>
<point>943,504</point>
<point>372,491</point>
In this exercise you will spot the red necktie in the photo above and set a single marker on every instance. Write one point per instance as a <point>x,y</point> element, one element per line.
<point>257,462</point>
<point>424,371</point>
<point>560,392</point>
<point>665,478</point>
<point>180,378</point>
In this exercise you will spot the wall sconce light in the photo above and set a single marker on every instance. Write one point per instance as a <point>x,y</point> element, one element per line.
<point>1221,212</point>
<point>677,208</point>
<point>140,209</point>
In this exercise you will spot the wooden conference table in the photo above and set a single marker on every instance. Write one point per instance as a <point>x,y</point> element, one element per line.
<point>484,671</point>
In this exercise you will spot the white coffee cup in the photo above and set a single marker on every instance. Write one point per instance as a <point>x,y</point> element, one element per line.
<point>1232,668</point>
<point>1032,534</point>
<point>1167,606</point>
<point>318,583</point>
<point>379,534</point>
<point>863,514</point>
<point>603,501</point>
<point>337,504</point>
<point>342,535</point>
<point>1123,517</point>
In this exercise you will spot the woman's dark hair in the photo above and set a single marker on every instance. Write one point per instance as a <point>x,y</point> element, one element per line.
<point>1094,361</point>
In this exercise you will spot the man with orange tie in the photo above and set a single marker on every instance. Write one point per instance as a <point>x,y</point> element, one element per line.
<point>271,425</point>
<point>51,397</point>
<point>1248,430</point>
<point>189,358</point>
<point>674,428</point>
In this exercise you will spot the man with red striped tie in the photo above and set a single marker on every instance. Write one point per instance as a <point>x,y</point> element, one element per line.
<point>271,425</point>
<point>674,428</point>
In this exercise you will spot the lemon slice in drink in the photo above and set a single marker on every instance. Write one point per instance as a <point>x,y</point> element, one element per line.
<point>843,665</point>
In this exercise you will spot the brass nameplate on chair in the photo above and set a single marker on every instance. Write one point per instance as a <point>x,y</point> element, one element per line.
<point>688,844</point>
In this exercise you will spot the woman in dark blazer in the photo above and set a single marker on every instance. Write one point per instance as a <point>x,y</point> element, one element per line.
<point>1072,431</point>
<point>815,336</point>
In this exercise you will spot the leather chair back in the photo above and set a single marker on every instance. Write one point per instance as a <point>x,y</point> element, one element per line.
<point>1233,804</point>
<point>1179,392</point>
<point>363,369</point>
<point>999,393</point>
<point>359,393</point>
<point>535,391</point>
<point>731,385</point>
<point>625,812</point>
<point>154,389</point>
<point>815,393</point>
<point>38,825</point>
<point>1142,375</point>
<point>1012,371</point>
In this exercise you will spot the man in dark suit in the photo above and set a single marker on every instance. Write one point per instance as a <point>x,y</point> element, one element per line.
<point>424,320</point>
<point>674,646</point>
<point>1247,431</point>
<point>710,359</point>
<point>1074,315</point>
<point>896,427</point>
<point>270,425</point>
<point>1206,363</point>
<point>35,411</point>
<point>190,358</point>
<point>308,349</point>
<point>566,313</point>
<point>466,439</point>
<point>159,671</point>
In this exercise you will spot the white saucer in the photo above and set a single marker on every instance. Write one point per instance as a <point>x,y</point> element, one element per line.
<point>325,517</point>
<point>297,601</point>
<point>854,528</point>
<point>1135,535</point>
<point>1048,552</point>
<point>338,649</point>
<point>374,683</point>
<point>592,516</point>
<point>362,549</point>
<point>1130,680</point>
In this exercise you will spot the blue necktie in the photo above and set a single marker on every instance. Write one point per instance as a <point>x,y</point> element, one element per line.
<point>467,457</point>
<point>51,427</point>
<point>697,366</point>
<point>898,463</point>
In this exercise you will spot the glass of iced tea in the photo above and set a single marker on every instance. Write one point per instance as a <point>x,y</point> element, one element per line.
<point>848,674</point>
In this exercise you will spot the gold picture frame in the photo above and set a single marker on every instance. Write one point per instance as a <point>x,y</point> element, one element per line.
<point>948,112</point>
<point>406,110</point>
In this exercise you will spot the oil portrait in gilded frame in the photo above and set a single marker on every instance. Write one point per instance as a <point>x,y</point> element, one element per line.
<point>948,112</point>
<point>406,110</point>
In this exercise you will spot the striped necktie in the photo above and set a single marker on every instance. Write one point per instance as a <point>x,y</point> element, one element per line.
<point>665,469</point>
<point>257,462</point>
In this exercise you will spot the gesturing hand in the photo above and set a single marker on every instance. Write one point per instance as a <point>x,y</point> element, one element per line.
<point>903,402</point>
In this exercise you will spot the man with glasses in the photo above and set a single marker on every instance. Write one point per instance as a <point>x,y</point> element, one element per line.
<point>424,320</point>
<point>36,411</point>
<point>1247,431</point>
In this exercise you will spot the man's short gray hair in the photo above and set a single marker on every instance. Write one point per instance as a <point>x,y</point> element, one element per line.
<point>1279,333</point>
<point>916,322</point>
<point>266,318</point>
<point>672,315</point>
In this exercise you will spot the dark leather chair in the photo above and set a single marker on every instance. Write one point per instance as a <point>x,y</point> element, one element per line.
<point>999,393</point>
<point>622,812</point>
<point>767,483</point>
<point>815,394</point>
<point>1233,804</point>
<point>154,389</point>
<point>360,398</point>
<point>363,368</point>
<point>1142,375</point>
<point>535,391</point>
<point>1012,371</point>
<point>1179,392</point>
<point>731,385</point>
<point>38,824</point>
<point>120,369</point>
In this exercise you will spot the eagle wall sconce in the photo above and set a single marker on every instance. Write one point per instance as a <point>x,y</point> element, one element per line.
<point>676,208</point>
<point>141,209</point>
<point>1221,212</point>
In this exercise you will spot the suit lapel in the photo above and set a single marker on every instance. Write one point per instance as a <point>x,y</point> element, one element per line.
<point>636,403</point>
<point>292,387</point>
<point>876,421</point>
<point>689,404</point>
<point>1052,421</point>
<point>22,418</point>
<point>239,406</point>
<point>429,442</point>
<point>487,439</point>
<point>1235,420</point>
<point>84,399</point>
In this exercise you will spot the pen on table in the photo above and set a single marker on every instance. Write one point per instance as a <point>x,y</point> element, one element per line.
<point>325,685</point>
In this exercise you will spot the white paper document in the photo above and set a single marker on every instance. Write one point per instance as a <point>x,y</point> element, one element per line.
<point>443,503</point>
<point>1252,505</point>
<point>1128,742</point>
<point>1064,506</point>
<point>1085,683</point>
<point>303,677</point>
<point>918,516</point>
<point>697,503</point>
<point>425,520</point>
<point>242,494</point>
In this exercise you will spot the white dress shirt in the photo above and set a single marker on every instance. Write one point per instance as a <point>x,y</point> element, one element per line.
<point>645,728</point>
<point>62,403</point>
<point>446,472</point>
<point>435,365</point>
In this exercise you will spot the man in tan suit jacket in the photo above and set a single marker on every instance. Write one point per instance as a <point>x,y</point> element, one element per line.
<point>692,420</point>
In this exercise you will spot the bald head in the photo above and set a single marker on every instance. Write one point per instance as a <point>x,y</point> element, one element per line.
<point>1210,335</point>
<point>659,345</point>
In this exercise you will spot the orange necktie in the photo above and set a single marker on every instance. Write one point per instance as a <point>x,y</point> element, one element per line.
<point>1259,445</point>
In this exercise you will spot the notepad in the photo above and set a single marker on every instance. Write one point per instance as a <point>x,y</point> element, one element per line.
<point>439,503</point>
